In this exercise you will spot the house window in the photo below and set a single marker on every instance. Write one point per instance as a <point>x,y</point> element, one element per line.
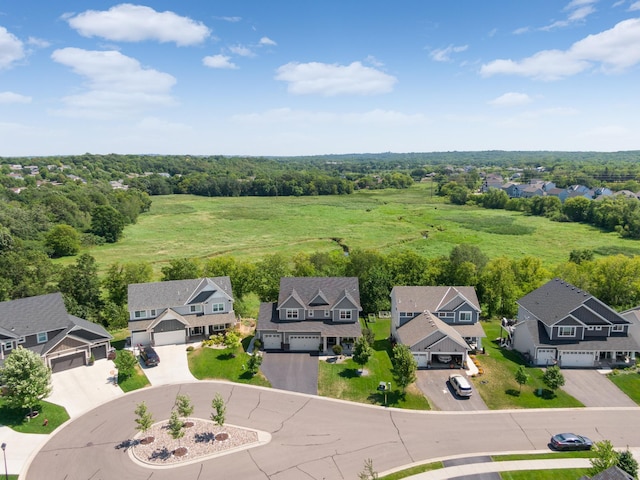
<point>153,313</point>
<point>139,314</point>
<point>404,314</point>
<point>42,337</point>
<point>566,331</point>
<point>217,307</point>
<point>617,328</point>
<point>8,345</point>
<point>446,314</point>
<point>345,314</point>
<point>195,308</point>
<point>21,340</point>
<point>465,316</point>
<point>292,314</point>
<point>218,327</point>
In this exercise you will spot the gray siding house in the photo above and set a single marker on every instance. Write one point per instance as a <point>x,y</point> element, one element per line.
<point>434,321</point>
<point>43,325</point>
<point>560,324</point>
<point>311,314</point>
<point>165,313</point>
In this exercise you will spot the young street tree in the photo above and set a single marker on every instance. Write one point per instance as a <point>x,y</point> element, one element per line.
<point>184,406</point>
<point>126,363</point>
<point>362,352</point>
<point>404,366</point>
<point>628,463</point>
<point>521,376</point>
<point>26,378</point>
<point>553,378</point>
<point>144,419</point>
<point>176,426</point>
<point>254,362</point>
<point>604,456</point>
<point>219,408</point>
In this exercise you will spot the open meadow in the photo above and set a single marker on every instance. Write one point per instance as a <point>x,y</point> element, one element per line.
<point>385,220</point>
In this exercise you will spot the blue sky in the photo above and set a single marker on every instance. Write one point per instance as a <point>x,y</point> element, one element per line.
<point>305,77</point>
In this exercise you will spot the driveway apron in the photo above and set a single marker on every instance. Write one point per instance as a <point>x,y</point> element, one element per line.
<point>295,372</point>
<point>173,366</point>
<point>594,389</point>
<point>81,389</point>
<point>435,386</point>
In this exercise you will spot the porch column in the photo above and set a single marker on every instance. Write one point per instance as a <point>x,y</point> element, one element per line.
<point>324,344</point>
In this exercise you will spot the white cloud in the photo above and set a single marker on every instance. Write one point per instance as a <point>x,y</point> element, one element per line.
<point>634,7</point>
<point>135,23</point>
<point>444,54</point>
<point>578,10</point>
<point>229,19</point>
<point>241,51</point>
<point>11,48</point>
<point>267,41</point>
<point>615,50</point>
<point>11,97</point>
<point>511,99</point>
<point>117,84</point>
<point>521,30</point>
<point>371,60</point>
<point>219,61</point>
<point>331,79</point>
<point>38,42</point>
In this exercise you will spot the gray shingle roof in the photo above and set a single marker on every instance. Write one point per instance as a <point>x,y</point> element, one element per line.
<point>158,295</point>
<point>306,289</point>
<point>433,299</point>
<point>424,325</point>
<point>268,321</point>
<point>28,316</point>
<point>556,299</point>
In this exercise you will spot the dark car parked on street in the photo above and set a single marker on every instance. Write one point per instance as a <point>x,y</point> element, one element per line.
<point>570,441</point>
<point>149,356</point>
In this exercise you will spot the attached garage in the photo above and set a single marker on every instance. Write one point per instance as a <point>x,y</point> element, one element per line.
<point>422,359</point>
<point>577,359</point>
<point>169,338</point>
<point>140,338</point>
<point>99,352</point>
<point>304,343</point>
<point>66,362</point>
<point>546,356</point>
<point>271,341</point>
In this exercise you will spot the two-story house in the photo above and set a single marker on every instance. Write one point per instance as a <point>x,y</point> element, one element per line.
<point>436,322</point>
<point>165,313</point>
<point>43,325</point>
<point>311,314</point>
<point>560,324</point>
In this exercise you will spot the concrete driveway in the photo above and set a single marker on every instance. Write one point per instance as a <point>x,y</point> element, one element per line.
<point>173,366</point>
<point>594,389</point>
<point>295,372</point>
<point>84,388</point>
<point>435,386</point>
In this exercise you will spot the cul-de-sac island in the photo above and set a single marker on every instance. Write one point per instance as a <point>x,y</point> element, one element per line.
<point>424,316</point>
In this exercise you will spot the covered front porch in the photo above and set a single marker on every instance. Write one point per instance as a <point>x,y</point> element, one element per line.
<point>345,342</point>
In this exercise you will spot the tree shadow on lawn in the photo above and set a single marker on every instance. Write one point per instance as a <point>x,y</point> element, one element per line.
<point>226,356</point>
<point>350,373</point>
<point>12,417</point>
<point>512,392</point>
<point>393,398</point>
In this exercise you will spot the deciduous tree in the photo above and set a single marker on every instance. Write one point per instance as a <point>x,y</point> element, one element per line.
<point>553,378</point>
<point>404,366</point>
<point>144,419</point>
<point>521,376</point>
<point>362,351</point>
<point>62,241</point>
<point>107,222</point>
<point>219,409</point>
<point>604,456</point>
<point>26,378</point>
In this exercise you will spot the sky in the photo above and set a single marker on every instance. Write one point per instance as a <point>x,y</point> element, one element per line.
<point>286,78</point>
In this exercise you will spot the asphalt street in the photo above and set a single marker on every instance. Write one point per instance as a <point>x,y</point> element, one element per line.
<point>312,437</point>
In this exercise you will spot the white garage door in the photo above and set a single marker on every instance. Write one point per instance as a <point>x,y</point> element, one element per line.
<point>546,356</point>
<point>169,338</point>
<point>577,359</point>
<point>271,341</point>
<point>304,343</point>
<point>421,359</point>
<point>140,338</point>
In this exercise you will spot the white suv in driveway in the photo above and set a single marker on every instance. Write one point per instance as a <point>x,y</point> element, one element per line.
<point>460,385</point>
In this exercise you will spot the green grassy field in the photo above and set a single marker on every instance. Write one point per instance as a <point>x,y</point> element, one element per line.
<point>628,382</point>
<point>385,220</point>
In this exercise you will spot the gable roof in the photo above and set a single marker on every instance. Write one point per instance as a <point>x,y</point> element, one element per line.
<point>158,295</point>
<point>433,299</point>
<point>28,316</point>
<point>307,289</point>
<point>556,299</point>
<point>425,325</point>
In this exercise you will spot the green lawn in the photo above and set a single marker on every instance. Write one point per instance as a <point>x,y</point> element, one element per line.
<point>384,220</point>
<point>342,380</point>
<point>427,467</point>
<point>16,418</point>
<point>212,363</point>
<point>541,456</point>
<point>497,385</point>
<point>629,382</point>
